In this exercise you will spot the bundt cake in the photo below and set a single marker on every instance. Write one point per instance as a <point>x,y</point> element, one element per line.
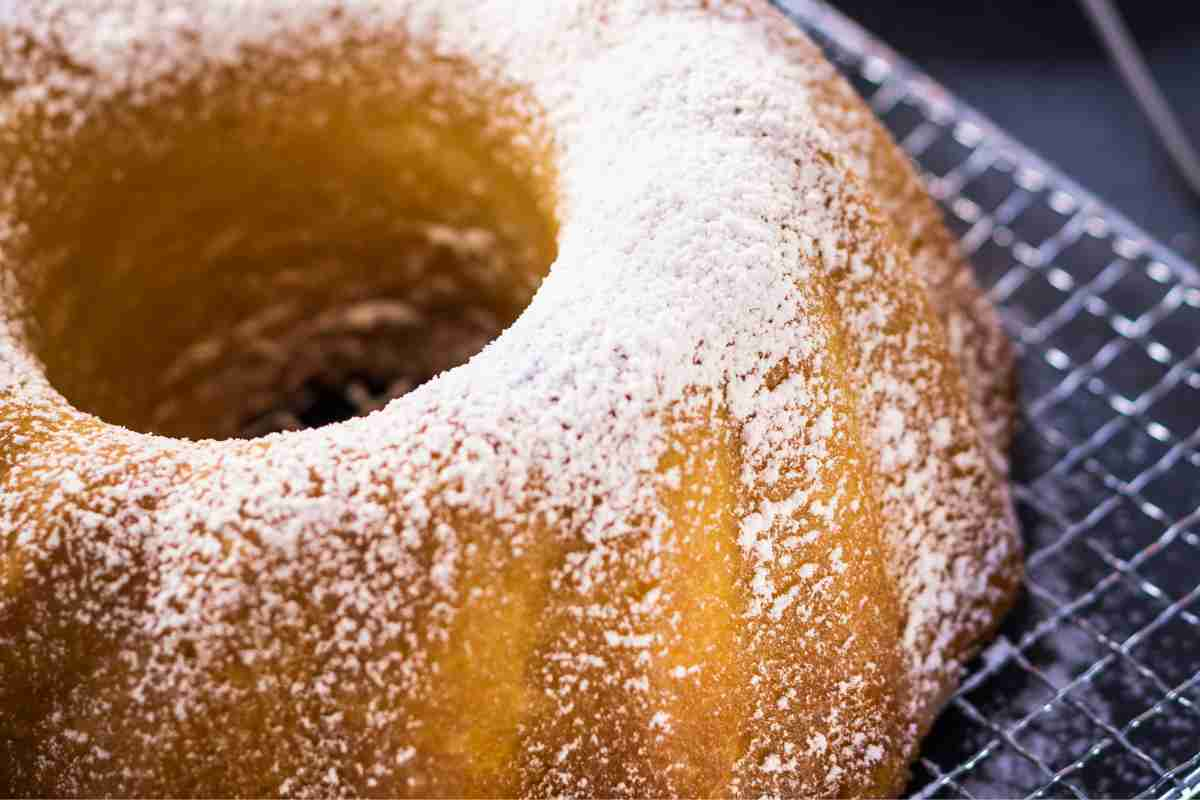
<point>720,510</point>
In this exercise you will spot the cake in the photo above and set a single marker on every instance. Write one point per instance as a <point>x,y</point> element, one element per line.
<point>721,508</point>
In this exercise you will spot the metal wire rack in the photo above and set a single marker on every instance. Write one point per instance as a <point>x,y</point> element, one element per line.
<point>1093,687</point>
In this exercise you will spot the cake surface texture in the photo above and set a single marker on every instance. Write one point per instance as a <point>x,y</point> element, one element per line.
<point>721,510</point>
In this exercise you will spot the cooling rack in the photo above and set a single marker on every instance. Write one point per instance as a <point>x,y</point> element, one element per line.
<point>1093,687</point>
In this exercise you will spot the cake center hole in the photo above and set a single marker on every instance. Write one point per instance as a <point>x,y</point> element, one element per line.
<point>243,260</point>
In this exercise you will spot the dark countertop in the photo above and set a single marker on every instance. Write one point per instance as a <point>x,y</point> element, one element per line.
<point>1040,73</point>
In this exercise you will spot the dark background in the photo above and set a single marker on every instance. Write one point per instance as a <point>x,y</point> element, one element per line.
<point>1039,71</point>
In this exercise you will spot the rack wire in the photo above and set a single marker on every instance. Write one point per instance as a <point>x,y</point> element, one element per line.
<point>1092,688</point>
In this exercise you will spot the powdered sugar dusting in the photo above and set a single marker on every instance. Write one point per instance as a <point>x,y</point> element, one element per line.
<point>657,538</point>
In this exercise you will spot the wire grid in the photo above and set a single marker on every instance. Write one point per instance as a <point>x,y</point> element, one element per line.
<point>1092,688</point>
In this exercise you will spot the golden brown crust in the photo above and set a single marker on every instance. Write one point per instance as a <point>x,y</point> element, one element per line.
<point>976,336</point>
